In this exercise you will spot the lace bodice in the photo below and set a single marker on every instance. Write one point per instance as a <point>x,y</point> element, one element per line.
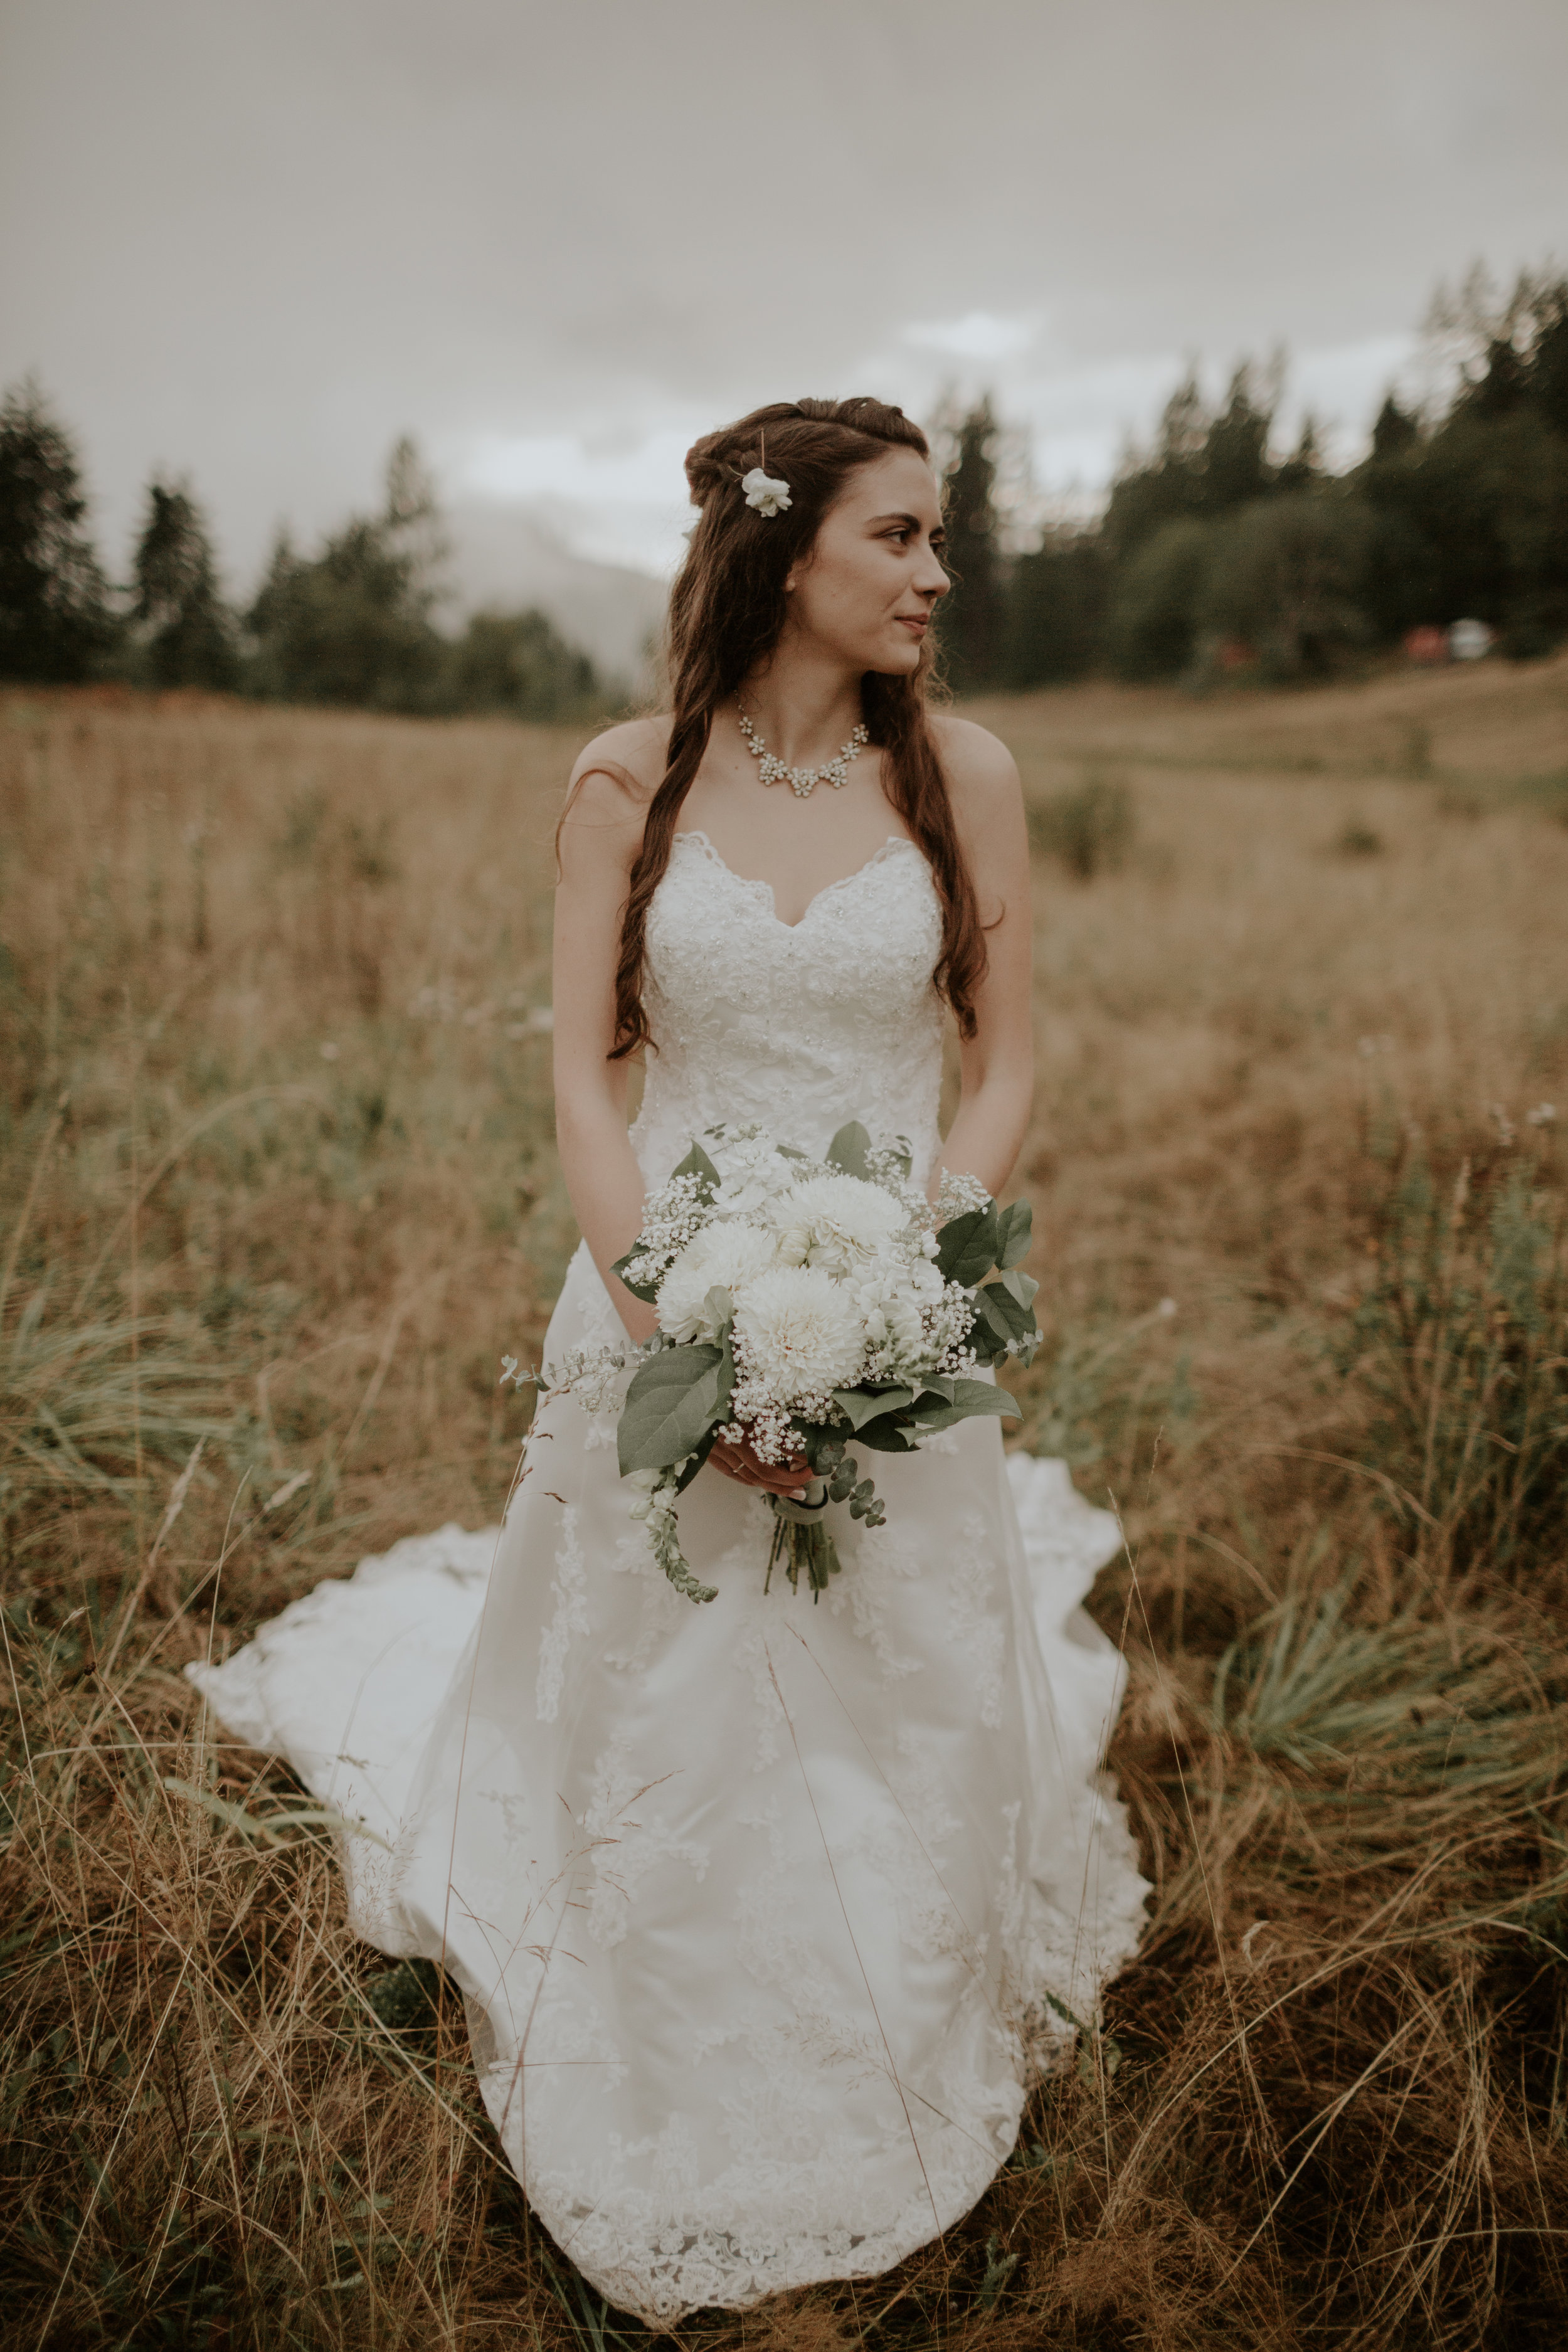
<point>799,1026</point>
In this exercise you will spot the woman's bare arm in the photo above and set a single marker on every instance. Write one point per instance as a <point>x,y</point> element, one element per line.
<point>600,837</point>
<point>998,1064</point>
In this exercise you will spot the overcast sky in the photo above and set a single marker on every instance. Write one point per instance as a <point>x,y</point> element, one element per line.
<point>255,239</point>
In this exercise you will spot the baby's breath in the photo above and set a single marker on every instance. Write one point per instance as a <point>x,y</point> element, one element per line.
<point>672,1216</point>
<point>958,1195</point>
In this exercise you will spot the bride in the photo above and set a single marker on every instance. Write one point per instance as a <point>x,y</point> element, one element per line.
<point>765,1915</point>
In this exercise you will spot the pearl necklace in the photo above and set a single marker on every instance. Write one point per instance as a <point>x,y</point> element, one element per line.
<point>802,781</point>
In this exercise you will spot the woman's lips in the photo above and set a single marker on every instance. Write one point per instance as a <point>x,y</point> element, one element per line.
<point>916,623</point>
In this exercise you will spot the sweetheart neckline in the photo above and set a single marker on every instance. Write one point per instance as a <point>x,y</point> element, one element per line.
<point>754,882</point>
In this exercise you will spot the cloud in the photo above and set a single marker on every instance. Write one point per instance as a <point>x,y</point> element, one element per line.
<point>288,233</point>
<point>979,335</point>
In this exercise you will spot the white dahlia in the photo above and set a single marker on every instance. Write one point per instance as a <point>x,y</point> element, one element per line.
<point>836,1222</point>
<point>798,1333</point>
<point>724,1256</point>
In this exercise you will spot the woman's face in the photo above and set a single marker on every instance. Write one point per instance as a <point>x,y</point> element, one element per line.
<point>869,586</point>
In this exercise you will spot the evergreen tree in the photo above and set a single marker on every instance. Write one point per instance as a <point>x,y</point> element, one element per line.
<point>1548,354</point>
<point>518,665</point>
<point>1165,485</point>
<point>1203,464</point>
<point>1395,431</point>
<point>1473,513</point>
<point>352,625</point>
<point>1303,468</point>
<point>182,631</point>
<point>1056,610</point>
<point>1287,575</point>
<point>971,619</point>
<point>1152,623</point>
<point>1234,467</point>
<point>55,623</point>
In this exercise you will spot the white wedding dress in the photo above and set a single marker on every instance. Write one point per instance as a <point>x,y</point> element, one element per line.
<point>759,1908</point>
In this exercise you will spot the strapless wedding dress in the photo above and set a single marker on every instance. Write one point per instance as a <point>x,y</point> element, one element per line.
<point>763,1911</point>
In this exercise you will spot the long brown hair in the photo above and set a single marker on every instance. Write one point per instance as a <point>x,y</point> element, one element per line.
<point>726,613</point>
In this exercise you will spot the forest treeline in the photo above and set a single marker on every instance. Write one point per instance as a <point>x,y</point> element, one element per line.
<point>352,625</point>
<point>1215,553</point>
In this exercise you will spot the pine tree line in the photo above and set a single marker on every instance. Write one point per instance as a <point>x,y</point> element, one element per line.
<point>350,625</point>
<point>1214,552</point>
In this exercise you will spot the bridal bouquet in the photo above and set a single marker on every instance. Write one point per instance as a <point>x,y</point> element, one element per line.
<point>805,1305</point>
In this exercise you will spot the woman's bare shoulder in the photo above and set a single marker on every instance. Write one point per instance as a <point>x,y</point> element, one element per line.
<point>632,752</point>
<point>613,779</point>
<point>981,772</point>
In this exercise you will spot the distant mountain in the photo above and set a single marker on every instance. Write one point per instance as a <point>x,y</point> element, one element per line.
<point>505,559</point>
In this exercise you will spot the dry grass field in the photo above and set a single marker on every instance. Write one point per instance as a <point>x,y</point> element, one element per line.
<point>278,1190</point>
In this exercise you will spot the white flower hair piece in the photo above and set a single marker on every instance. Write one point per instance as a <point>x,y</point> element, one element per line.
<point>769,497</point>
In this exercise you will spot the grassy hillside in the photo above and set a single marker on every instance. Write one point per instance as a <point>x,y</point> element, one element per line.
<point>278,1190</point>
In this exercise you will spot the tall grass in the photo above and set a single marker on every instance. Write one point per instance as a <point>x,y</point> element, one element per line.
<point>278,1190</point>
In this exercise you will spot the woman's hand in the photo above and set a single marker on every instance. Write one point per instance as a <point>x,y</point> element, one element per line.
<point>739,1461</point>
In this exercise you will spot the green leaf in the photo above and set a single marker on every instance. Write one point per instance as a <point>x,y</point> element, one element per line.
<point>719,1309</point>
<point>1003,1310</point>
<point>966,1246</point>
<point>862,1405</point>
<point>671,1406</point>
<point>1021,1287</point>
<point>895,1433</point>
<point>990,1329</point>
<point>694,1462</point>
<point>972,1399</point>
<point>697,1163</point>
<point>1014,1228</point>
<point>848,1148</point>
<point>647,1291</point>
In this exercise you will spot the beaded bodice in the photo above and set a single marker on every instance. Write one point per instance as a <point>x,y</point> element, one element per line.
<point>799,1026</point>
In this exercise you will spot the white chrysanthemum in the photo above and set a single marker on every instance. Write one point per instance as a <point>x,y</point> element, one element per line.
<point>798,1333</point>
<point>723,1255</point>
<point>837,1223</point>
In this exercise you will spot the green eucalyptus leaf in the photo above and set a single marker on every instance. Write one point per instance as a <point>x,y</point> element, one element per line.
<point>647,1291</point>
<point>896,1434</point>
<point>671,1406</point>
<point>861,1405</point>
<point>1021,1287</point>
<point>719,1309</point>
<point>966,1246</point>
<point>848,1148</point>
<point>694,1462</point>
<point>697,1163</point>
<point>1002,1309</point>
<point>991,1327</point>
<point>973,1399</point>
<point>1013,1226</point>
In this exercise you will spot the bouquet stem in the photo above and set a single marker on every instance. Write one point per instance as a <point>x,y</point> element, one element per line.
<point>801,1540</point>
